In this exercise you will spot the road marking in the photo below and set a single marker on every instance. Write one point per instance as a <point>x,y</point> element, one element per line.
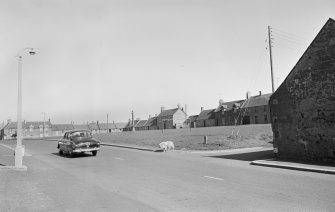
<point>214,178</point>
<point>11,148</point>
<point>118,158</point>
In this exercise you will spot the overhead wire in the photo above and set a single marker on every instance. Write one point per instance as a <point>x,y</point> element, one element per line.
<point>259,64</point>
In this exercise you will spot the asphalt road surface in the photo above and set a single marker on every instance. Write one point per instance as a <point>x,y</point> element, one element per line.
<point>120,179</point>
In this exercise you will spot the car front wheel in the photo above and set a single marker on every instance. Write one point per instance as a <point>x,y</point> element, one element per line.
<point>94,153</point>
<point>60,152</point>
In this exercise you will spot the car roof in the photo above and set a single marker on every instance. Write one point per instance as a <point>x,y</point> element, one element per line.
<point>71,131</point>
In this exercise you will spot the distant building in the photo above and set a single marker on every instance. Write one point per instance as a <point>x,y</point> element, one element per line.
<point>206,118</point>
<point>256,110</point>
<point>141,125</point>
<point>94,127</point>
<point>81,126</point>
<point>151,124</point>
<point>111,127</point>
<point>129,126</point>
<point>60,129</point>
<point>303,107</point>
<point>29,129</point>
<point>191,121</point>
<point>172,118</point>
<point>228,113</point>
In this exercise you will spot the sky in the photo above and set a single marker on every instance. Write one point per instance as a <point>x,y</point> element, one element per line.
<point>99,57</point>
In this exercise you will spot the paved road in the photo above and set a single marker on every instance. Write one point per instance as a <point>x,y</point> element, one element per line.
<point>131,180</point>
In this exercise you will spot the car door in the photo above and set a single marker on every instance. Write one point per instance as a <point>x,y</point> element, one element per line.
<point>67,142</point>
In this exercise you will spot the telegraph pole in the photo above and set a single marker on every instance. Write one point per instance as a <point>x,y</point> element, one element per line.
<point>132,121</point>
<point>271,65</point>
<point>107,124</point>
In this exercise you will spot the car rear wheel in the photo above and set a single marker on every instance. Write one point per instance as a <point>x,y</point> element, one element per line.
<point>60,152</point>
<point>94,153</point>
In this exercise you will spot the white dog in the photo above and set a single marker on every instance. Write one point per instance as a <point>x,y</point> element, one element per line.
<point>166,145</point>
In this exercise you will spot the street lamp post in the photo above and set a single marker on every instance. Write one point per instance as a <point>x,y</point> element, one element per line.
<point>19,149</point>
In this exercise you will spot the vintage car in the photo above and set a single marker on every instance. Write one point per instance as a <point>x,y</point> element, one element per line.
<point>78,141</point>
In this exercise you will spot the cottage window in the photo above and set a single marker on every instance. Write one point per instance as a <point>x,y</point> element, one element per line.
<point>255,109</point>
<point>265,108</point>
<point>256,120</point>
<point>265,118</point>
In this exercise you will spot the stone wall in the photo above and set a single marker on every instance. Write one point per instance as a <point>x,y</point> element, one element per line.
<point>303,107</point>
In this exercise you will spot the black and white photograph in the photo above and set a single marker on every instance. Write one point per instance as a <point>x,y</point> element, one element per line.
<point>167,105</point>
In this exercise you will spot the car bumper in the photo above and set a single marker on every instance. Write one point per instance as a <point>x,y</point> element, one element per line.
<point>79,150</point>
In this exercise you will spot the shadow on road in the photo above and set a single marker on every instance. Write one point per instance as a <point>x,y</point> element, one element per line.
<point>74,156</point>
<point>249,156</point>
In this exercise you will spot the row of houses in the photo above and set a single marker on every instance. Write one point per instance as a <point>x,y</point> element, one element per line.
<point>252,110</point>
<point>46,129</point>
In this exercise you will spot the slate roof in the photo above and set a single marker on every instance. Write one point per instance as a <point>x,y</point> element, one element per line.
<point>26,125</point>
<point>103,126</point>
<point>81,127</point>
<point>192,118</point>
<point>141,123</point>
<point>206,114</point>
<point>256,101</point>
<point>93,126</point>
<point>119,125</point>
<point>229,105</point>
<point>130,124</point>
<point>62,127</point>
<point>169,112</point>
<point>151,122</point>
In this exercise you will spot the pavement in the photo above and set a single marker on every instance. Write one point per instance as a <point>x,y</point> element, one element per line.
<point>295,166</point>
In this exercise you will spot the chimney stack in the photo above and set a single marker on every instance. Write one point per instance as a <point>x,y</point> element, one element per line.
<point>202,108</point>
<point>260,93</point>
<point>248,94</point>
<point>162,108</point>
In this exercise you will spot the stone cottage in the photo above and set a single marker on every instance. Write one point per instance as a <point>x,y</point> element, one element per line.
<point>206,118</point>
<point>172,118</point>
<point>303,107</point>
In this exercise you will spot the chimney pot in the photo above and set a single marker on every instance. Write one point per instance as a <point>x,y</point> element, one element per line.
<point>201,109</point>
<point>260,93</point>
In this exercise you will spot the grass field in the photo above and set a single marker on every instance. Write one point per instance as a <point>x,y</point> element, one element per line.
<point>218,138</point>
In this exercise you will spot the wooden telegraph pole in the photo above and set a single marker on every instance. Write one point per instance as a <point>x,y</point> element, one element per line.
<point>107,124</point>
<point>132,121</point>
<point>271,65</point>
